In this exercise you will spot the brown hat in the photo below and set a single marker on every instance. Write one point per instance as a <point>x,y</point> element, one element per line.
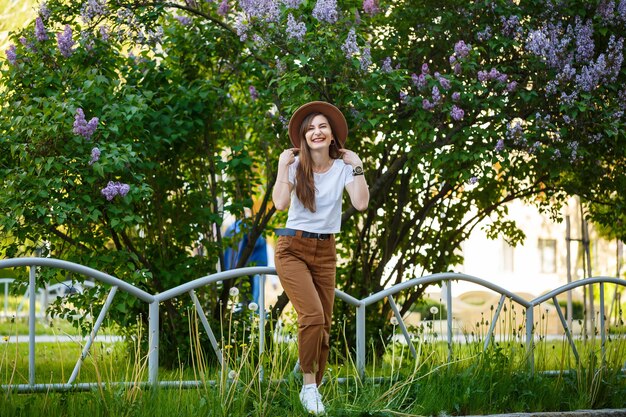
<point>337,121</point>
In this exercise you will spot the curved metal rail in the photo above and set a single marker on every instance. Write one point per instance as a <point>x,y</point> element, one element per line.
<point>154,301</point>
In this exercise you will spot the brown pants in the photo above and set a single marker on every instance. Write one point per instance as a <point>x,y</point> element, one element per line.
<point>306,268</point>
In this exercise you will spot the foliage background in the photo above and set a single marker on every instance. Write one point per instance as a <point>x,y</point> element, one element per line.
<point>455,107</point>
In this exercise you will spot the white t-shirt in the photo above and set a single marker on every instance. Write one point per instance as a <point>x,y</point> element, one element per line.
<point>329,188</point>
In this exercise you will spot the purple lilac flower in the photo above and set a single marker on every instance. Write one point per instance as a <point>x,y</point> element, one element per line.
<point>184,20</point>
<point>387,65</point>
<point>436,95</point>
<point>515,132</point>
<point>556,154</point>
<point>366,58</point>
<point>569,98</point>
<point>253,93</point>
<point>259,41</point>
<point>485,34</point>
<point>295,29</point>
<point>82,127</point>
<point>113,189</point>
<point>124,189</point>
<point>65,42</point>
<point>461,49</point>
<point>567,73</point>
<point>493,74</point>
<point>92,9</point>
<point>292,4</point>
<point>95,156</point>
<point>44,12</point>
<point>500,145</point>
<point>591,74</point>
<point>403,96</point>
<point>457,68</point>
<point>267,10</point>
<point>88,40</point>
<point>549,44</point>
<point>551,87</point>
<point>538,42</point>
<point>421,80</point>
<point>456,96</point>
<point>40,30</point>
<point>621,95</point>
<point>418,80</point>
<point>223,9</point>
<point>573,146</point>
<point>427,105</point>
<point>510,26</point>
<point>512,86</point>
<point>473,180</point>
<point>536,147</point>
<point>621,10</point>
<point>605,10</point>
<point>584,40</point>
<point>371,7</point>
<point>350,47</point>
<point>444,82</point>
<point>615,56</point>
<point>326,11</point>
<point>104,32</point>
<point>11,54</point>
<point>284,121</point>
<point>425,69</point>
<point>457,113</point>
<point>241,26</point>
<point>357,17</point>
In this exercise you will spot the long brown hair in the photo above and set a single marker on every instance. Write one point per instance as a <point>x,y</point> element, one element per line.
<point>305,185</point>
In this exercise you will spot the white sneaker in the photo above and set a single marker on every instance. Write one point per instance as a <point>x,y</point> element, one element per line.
<point>311,399</point>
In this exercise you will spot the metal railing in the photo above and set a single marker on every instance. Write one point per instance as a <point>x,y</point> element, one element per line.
<point>154,301</point>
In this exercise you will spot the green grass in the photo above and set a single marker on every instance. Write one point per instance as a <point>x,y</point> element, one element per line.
<point>474,382</point>
<point>469,382</point>
<point>20,326</point>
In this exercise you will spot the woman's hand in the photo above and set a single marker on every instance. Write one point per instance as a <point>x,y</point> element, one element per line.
<point>288,157</point>
<point>351,158</point>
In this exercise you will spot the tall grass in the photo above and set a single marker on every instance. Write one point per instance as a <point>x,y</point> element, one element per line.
<point>247,383</point>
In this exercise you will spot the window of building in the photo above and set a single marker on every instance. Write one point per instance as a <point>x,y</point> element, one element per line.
<point>547,255</point>
<point>508,257</point>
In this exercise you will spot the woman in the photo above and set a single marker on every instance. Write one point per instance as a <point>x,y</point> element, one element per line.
<point>311,185</point>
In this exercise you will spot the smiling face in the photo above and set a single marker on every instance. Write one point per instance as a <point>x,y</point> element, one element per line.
<point>318,133</point>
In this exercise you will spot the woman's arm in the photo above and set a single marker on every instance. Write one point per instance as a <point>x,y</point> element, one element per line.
<point>281,194</point>
<point>358,189</point>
